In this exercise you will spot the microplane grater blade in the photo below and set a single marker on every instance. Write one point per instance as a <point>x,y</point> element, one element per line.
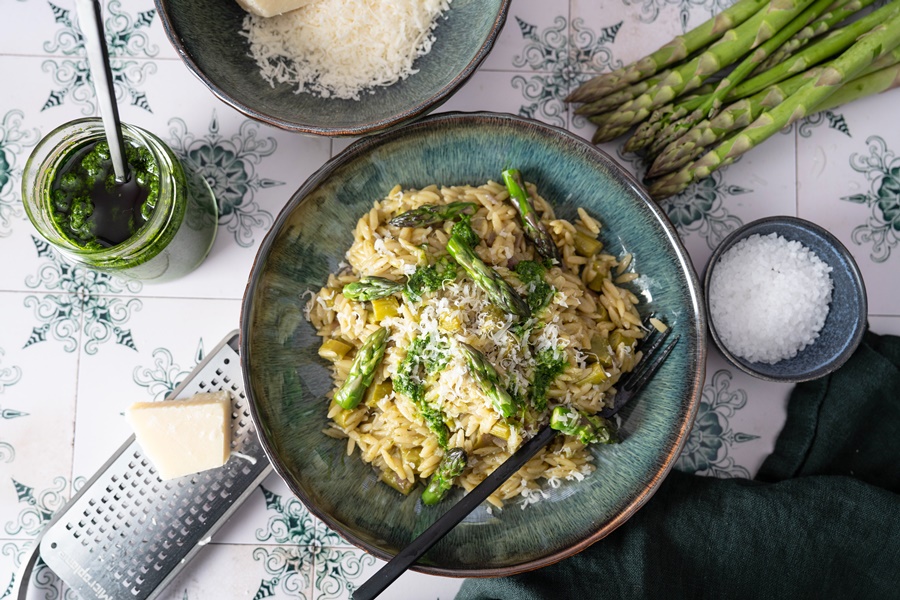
<point>126,534</point>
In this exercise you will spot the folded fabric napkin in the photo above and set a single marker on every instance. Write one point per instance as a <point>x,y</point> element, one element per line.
<point>821,519</point>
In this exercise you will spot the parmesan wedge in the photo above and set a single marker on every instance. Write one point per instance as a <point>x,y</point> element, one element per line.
<point>270,8</point>
<point>181,437</point>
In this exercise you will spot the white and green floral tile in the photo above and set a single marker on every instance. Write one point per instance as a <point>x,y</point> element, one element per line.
<point>411,585</point>
<point>37,409</point>
<point>737,422</point>
<point>138,349</point>
<point>849,182</point>
<point>531,15</point>
<point>243,572</point>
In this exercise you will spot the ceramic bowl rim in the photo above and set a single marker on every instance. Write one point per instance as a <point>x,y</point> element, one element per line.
<point>404,116</point>
<point>749,229</point>
<point>696,378</point>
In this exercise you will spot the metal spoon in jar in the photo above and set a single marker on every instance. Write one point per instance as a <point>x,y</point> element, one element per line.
<point>91,21</point>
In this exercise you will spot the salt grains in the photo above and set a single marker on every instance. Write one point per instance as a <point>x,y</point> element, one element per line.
<point>768,298</point>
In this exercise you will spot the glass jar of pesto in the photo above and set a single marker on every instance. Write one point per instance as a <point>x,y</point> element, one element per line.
<point>157,226</point>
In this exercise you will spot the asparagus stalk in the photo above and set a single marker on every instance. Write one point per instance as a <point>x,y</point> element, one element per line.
<point>878,42</point>
<point>830,46</point>
<point>673,52</point>
<point>497,289</point>
<point>615,99</point>
<point>825,23</point>
<point>450,467</point>
<point>489,380</point>
<point>371,288</point>
<point>743,112</point>
<point>647,131</point>
<point>733,45</point>
<point>874,83</point>
<point>714,102</point>
<point>590,429</point>
<point>430,214</point>
<point>362,370</point>
<point>531,222</point>
<point>735,116</point>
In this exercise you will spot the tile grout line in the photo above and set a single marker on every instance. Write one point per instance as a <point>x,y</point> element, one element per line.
<point>797,171</point>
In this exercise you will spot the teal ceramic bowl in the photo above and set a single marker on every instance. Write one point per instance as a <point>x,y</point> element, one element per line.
<point>207,36</point>
<point>287,382</point>
<point>845,324</point>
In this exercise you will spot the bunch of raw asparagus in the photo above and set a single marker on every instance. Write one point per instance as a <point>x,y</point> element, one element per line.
<point>710,95</point>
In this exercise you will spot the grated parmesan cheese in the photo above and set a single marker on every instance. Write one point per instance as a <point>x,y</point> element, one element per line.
<point>340,48</point>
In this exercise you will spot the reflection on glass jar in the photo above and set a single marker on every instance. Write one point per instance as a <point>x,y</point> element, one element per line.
<point>157,226</point>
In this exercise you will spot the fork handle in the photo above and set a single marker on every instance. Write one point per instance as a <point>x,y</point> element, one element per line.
<point>428,538</point>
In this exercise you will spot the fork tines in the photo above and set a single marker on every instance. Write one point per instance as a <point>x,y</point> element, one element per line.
<point>654,354</point>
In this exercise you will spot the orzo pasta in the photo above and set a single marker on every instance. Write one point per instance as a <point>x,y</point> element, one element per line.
<point>423,399</point>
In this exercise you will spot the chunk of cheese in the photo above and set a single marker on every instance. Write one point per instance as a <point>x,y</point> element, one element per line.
<point>181,437</point>
<point>270,8</point>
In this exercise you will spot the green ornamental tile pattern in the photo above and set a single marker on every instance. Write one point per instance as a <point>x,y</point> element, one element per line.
<point>276,548</point>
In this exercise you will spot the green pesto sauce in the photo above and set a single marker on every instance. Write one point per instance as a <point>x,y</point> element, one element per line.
<point>540,292</point>
<point>549,365</point>
<point>422,360</point>
<point>462,229</point>
<point>430,278</point>
<point>94,211</point>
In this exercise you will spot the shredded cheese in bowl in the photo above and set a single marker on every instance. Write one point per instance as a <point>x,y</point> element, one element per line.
<point>342,48</point>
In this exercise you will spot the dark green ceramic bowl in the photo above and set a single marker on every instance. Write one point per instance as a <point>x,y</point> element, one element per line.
<point>207,37</point>
<point>287,382</point>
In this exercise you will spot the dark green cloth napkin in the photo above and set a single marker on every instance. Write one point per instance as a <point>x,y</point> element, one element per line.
<point>821,519</point>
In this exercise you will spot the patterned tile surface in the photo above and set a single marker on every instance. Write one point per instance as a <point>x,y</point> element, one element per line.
<point>76,347</point>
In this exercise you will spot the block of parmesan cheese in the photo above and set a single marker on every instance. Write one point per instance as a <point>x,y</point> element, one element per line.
<point>270,8</point>
<point>182,437</point>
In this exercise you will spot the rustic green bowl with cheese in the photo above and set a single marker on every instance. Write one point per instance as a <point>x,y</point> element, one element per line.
<point>207,34</point>
<point>288,384</point>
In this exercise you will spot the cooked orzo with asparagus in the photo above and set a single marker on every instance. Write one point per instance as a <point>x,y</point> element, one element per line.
<point>464,319</point>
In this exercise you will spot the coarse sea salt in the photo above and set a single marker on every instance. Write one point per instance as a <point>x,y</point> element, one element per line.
<point>769,297</point>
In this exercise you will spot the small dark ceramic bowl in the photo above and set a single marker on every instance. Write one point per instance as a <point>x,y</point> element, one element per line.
<point>207,36</point>
<point>287,382</point>
<point>846,321</point>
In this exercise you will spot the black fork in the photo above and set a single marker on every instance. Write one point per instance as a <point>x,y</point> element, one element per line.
<point>653,356</point>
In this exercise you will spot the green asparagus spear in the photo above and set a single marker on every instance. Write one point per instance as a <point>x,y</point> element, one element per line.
<point>829,46</point>
<point>736,116</point>
<point>868,85</point>
<point>615,99</point>
<point>711,106</point>
<point>362,370</point>
<point>371,288</point>
<point>497,289</point>
<point>531,222</point>
<point>743,112</point>
<point>673,52</point>
<point>430,214</point>
<point>878,42</point>
<point>825,23</point>
<point>659,119</point>
<point>450,467</point>
<point>733,45</point>
<point>489,380</point>
<point>590,429</point>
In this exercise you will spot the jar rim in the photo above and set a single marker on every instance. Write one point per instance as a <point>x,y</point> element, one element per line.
<point>74,135</point>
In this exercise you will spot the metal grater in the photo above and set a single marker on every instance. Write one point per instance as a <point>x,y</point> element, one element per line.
<point>127,534</point>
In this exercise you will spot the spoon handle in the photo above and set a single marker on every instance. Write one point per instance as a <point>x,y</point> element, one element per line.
<point>90,19</point>
<point>428,538</point>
